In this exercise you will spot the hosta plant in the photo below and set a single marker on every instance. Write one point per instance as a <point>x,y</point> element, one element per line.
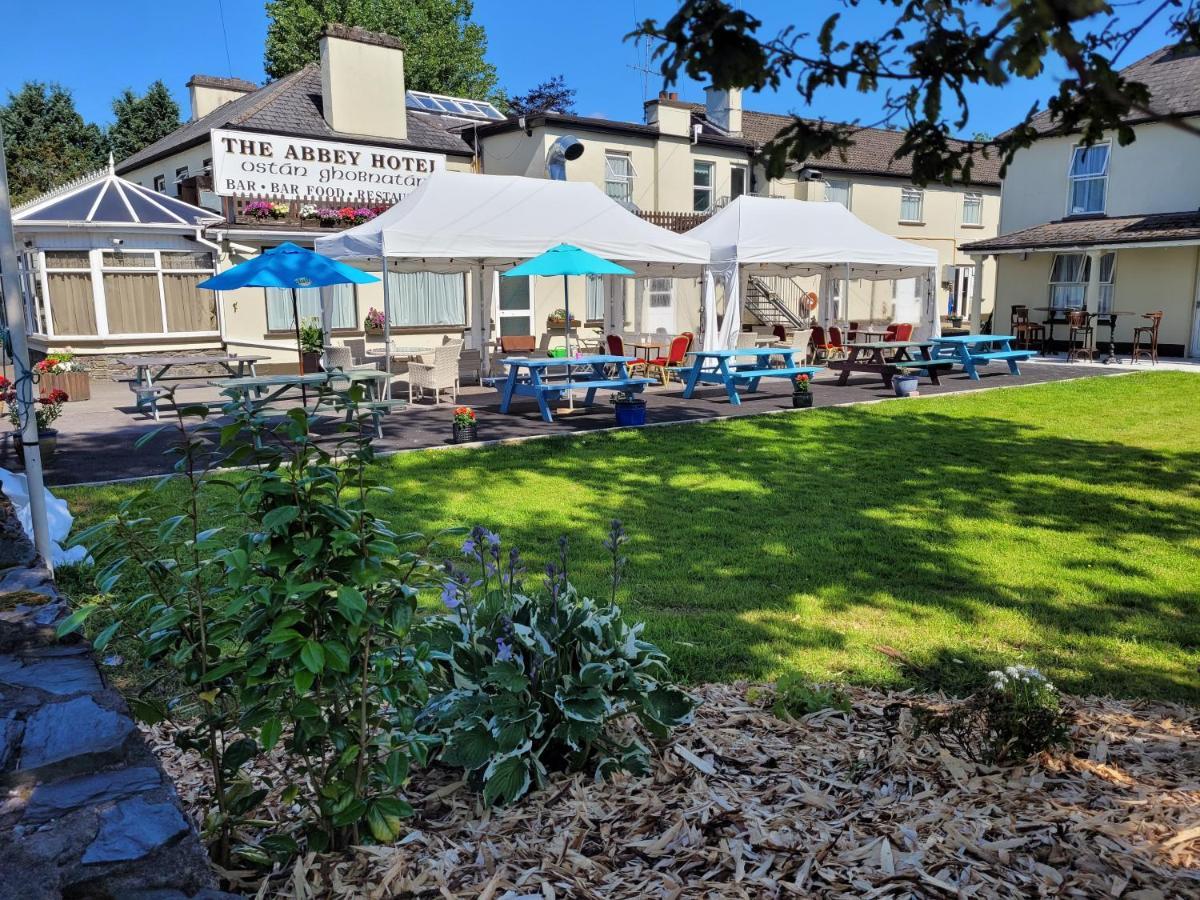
<point>536,680</point>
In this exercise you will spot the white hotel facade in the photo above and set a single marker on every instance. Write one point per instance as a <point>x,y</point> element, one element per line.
<point>111,262</point>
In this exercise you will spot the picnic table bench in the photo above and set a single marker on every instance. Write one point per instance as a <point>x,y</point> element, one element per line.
<point>720,371</point>
<point>258,393</point>
<point>586,373</point>
<point>887,358</point>
<point>966,349</point>
<point>151,381</point>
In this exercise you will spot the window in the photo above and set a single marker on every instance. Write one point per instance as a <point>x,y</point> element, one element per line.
<point>837,190</point>
<point>516,312</point>
<point>738,179</point>
<point>912,201</point>
<point>341,299</point>
<point>595,298</point>
<point>1088,180</point>
<point>1108,276</point>
<point>702,187</point>
<point>160,183</point>
<point>180,174</point>
<point>206,166</point>
<point>972,208</point>
<point>427,298</point>
<point>188,308</point>
<point>618,177</point>
<point>1068,280</point>
<point>69,286</point>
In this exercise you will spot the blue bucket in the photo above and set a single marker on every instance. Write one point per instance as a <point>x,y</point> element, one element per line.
<point>631,412</point>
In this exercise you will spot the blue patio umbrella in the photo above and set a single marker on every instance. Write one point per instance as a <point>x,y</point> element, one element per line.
<point>567,260</point>
<point>292,268</point>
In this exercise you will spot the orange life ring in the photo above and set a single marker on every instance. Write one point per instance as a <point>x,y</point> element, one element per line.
<point>810,301</point>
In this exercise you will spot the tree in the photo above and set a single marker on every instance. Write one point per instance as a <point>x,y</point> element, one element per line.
<point>46,140</point>
<point>924,64</point>
<point>140,121</point>
<point>443,49</point>
<point>552,94</point>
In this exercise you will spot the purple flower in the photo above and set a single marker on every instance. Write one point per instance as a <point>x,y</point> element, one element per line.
<point>503,650</point>
<point>452,595</point>
<point>469,548</point>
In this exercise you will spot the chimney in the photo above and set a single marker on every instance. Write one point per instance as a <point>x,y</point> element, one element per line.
<point>671,115</point>
<point>207,92</point>
<point>362,82</point>
<point>724,109</point>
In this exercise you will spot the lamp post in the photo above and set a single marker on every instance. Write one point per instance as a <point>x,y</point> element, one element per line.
<point>18,349</point>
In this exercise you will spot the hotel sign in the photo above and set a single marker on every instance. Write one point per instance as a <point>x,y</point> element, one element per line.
<point>247,164</point>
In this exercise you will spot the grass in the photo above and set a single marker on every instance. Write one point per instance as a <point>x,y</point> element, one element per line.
<point>1057,525</point>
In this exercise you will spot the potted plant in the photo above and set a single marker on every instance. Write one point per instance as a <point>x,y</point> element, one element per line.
<point>312,342</point>
<point>802,397</point>
<point>327,216</point>
<point>465,428</point>
<point>630,408</point>
<point>558,319</point>
<point>906,385</point>
<point>373,323</point>
<point>46,409</point>
<point>60,371</point>
<point>259,210</point>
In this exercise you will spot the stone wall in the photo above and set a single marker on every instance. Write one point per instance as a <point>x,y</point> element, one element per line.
<point>104,366</point>
<point>85,809</point>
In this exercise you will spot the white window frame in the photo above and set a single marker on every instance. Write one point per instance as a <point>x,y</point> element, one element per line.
<point>160,184</point>
<point>972,198</point>
<point>1103,176</point>
<point>99,269</point>
<point>697,165</point>
<point>830,182</point>
<point>610,178</point>
<point>907,193</point>
<point>1108,288</point>
<point>1084,274</point>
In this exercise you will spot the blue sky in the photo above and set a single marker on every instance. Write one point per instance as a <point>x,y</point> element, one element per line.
<point>96,52</point>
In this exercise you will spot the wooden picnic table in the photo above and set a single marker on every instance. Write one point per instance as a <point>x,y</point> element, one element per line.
<point>889,358</point>
<point>965,348</point>
<point>255,392</point>
<point>750,373</point>
<point>589,373</point>
<point>151,371</point>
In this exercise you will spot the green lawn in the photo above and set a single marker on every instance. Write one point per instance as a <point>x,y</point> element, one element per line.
<point>1056,525</point>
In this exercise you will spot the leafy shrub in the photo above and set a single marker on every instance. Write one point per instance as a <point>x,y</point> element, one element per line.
<point>795,697</point>
<point>296,633</point>
<point>536,680</point>
<point>1017,715</point>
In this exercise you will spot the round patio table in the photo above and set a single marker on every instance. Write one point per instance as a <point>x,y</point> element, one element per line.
<point>1112,315</point>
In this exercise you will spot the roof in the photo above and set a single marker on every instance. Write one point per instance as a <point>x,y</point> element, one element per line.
<point>1096,231</point>
<point>292,105</point>
<point>1172,75</point>
<point>103,198</point>
<point>873,152</point>
<point>222,83</point>
<point>707,136</point>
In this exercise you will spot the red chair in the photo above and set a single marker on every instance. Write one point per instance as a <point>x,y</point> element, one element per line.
<point>889,333</point>
<point>616,347</point>
<point>903,332</point>
<point>674,358</point>
<point>835,343</point>
<point>780,332</point>
<point>818,342</point>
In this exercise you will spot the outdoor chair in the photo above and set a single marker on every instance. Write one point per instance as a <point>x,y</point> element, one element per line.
<point>780,332</point>
<point>358,348</point>
<point>799,344</point>
<point>673,360</point>
<point>616,347</point>
<point>903,331</point>
<point>1148,333</point>
<point>1025,331</point>
<point>1081,335</point>
<point>470,362</point>
<point>835,345</point>
<point>437,376</point>
<point>340,359</point>
<point>820,343</point>
<point>747,339</point>
<point>852,330</point>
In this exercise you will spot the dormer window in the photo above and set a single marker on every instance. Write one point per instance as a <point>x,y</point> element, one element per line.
<point>1087,190</point>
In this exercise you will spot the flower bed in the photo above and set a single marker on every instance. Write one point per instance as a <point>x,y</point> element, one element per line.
<point>60,372</point>
<point>745,804</point>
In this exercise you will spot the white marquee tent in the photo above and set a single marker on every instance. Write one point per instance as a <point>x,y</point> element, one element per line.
<point>483,224</point>
<point>767,236</point>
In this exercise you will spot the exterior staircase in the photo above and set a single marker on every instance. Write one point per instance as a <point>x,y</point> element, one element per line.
<point>765,305</point>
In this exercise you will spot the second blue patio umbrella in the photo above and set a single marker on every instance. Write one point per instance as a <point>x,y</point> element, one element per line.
<point>290,267</point>
<point>567,260</point>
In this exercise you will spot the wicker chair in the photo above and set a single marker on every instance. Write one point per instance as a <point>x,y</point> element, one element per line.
<point>358,348</point>
<point>341,359</point>
<point>437,376</point>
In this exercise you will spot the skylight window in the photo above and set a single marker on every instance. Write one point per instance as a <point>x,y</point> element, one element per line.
<point>455,106</point>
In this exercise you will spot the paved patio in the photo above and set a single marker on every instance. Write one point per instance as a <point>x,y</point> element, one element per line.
<point>96,437</point>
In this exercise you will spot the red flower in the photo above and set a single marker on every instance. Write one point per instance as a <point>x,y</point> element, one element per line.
<point>56,396</point>
<point>5,384</point>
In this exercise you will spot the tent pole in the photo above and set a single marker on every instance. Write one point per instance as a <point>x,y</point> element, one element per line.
<point>387,331</point>
<point>18,348</point>
<point>567,338</point>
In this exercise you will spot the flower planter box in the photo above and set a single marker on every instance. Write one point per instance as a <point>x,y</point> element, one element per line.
<point>77,385</point>
<point>561,323</point>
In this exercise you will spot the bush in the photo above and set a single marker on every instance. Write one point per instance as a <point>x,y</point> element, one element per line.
<point>795,697</point>
<point>1017,715</point>
<point>535,681</point>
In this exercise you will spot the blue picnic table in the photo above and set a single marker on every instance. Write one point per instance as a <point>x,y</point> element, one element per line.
<point>721,367</point>
<point>587,373</point>
<point>973,350</point>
